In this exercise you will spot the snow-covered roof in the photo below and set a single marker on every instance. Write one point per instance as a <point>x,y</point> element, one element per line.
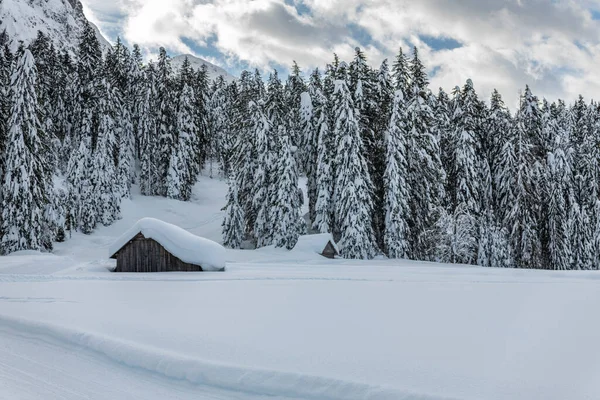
<point>315,243</point>
<point>182,244</point>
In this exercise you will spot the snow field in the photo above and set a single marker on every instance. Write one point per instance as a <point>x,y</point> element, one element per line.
<point>292,324</point>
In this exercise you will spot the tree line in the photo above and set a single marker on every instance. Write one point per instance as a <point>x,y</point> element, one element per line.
<point>392,168</point>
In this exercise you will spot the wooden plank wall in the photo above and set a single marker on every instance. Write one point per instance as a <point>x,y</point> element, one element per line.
<point>329,251</point>
<point>147,255</point>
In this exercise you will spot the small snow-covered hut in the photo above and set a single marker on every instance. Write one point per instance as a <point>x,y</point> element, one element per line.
<point>152,245</point>
<point>321,243</point>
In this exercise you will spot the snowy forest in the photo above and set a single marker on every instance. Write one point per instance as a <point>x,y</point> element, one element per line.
<point>392,167</point>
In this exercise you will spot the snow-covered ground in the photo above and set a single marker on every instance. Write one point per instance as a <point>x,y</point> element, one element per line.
<point>280,324</point>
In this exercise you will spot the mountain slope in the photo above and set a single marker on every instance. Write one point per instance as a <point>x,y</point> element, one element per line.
<point>61,20</point>
<point>213,71</point>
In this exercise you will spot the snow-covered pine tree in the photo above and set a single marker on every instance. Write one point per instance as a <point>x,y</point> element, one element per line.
<point>309,102</point>
<point>234,227</point>
<point>261,192</point>
<point>105,178</point>
<point>463,177</point>
<point>396,190</point>
<point>531,121</point>
<point>221,136</point>
<point>444,131</point>
<point>126,150</point>
<point>136,91</point>
<point>88,72</point>
<point>294,88</point>
<point>559,186</point>
<point>82,208</point>
<point>353,189</point>
<point>5,72</point>
<point>26,181</point>
<point>181,176</point>
<point>164,117</point>
<point>401,73</point>
<point>286,216</point>
<point>584,189</point>
<point>515,187</point>
<point>498,124</point>
<point>323,218</point>
<point>426,178</point>
<point>148,141</point>
<point>204,142</point>
<point>362,82</point>
<point>383,95</point>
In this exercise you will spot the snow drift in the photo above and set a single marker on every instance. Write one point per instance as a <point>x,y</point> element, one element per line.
<point>187,247</point>
<point>171,365</point>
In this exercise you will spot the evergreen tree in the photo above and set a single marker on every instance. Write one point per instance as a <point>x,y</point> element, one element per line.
<point>323,207</point>
<point>401,74</point>
<point>261,195</point>
<point>426,175</point>
<point>396,191</point>
<point>26,184</point>
<point>463,184</point>
<point>182,169</point>
<point>353,188</point>
<point>104,178</point>
<point>148,142</point>
<point>559,173</point>
<point>164,118</point>
<point>312,108</point>
<point>516,186</point>
<point>286,217</point>
<point>233,223</point>
<point>126,150</point>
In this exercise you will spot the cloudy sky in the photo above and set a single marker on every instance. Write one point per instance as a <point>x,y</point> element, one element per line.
<point>552,45</point>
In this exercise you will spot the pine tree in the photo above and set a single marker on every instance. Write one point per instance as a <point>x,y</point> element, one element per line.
<point>323,218</point>
<point>382,111</point>
<point>26,184</point>
<point>464,180</point>
<point>219,125</point>
<point>309,151</point>
<point>286,216</point>
<point>396,191</point>
<point>353,188</point>
<point>401,74</point>
<point>294,88</point>
<point>426,176</point>
<point>182,169</point>
<point>261,196</point>
<point>104,178</point>
<point>516,184</point>
<point>559,173</point>
<point>5,72</point>
<point>164,118</point>
<point>584,188</point>
<point>233,223</point>
<point>126,161</point>
<point>149,179</point>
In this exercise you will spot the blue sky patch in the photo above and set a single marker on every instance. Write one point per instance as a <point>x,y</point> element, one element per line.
<point>440,43</point>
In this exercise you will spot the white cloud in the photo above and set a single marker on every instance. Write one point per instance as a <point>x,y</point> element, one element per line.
<point>553,45</point>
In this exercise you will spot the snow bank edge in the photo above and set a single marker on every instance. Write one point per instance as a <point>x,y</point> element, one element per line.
<point>196,371</point>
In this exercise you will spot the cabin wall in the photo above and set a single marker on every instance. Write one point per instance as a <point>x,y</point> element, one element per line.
<point>147,255</point>
<point>329,251</point>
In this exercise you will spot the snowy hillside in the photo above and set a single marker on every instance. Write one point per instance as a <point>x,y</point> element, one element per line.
<point>196,63</point>
<point>287,325</point>
<point>61,20</point>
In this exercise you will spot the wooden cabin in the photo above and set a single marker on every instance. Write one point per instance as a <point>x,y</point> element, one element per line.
<point>141,254</point>
<point>152,245</point>
<point>321,243</point>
